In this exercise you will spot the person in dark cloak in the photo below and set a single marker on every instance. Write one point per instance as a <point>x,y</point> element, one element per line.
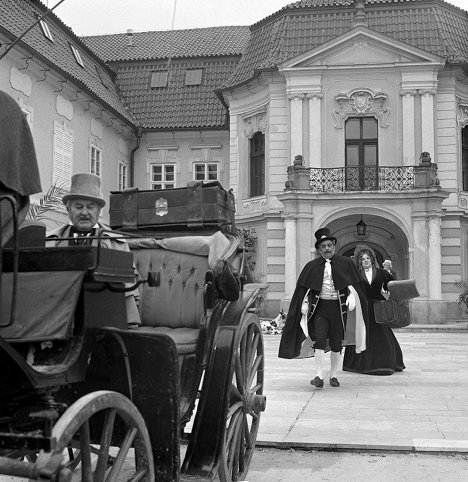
<point>19,173</point>
<point>383,355</point>
<point>337,310</point>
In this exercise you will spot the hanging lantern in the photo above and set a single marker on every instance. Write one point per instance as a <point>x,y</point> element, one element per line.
<point>361,227</point>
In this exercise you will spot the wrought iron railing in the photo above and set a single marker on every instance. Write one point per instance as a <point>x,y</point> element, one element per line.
<point>373,178</point>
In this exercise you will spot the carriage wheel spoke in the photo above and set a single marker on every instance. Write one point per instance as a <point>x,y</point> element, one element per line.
<point>254,370</point>
<point>106,439</point>
<point>85,450</point>
<point>122,455</point>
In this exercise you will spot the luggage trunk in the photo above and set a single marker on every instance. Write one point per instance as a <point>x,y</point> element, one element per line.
<point>197,206</point>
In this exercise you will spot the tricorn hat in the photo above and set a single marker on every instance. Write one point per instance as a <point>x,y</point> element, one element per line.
<point>323,234</point>
<point>85,185</point>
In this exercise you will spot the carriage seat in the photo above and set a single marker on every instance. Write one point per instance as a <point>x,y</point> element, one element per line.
<point>176,306</point>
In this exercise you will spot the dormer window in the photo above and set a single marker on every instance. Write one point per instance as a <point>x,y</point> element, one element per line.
<point>77,55</point>
<point>193,77</point>
<point>46,30</point>
<point>101,77</point>
<point>158,79</point>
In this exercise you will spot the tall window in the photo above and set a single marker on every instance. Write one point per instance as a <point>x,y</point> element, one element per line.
<point>122,176</point>
<point>465,158</point>
<point>205,172</point>
<point>95,161</point>
<point>162,176</point>
<point>361,154</point>
<point>257,165</point>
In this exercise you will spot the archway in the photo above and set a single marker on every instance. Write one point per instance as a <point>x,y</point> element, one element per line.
<point>383,235</point>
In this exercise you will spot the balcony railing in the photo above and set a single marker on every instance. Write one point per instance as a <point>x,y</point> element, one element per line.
<point>371,178</point>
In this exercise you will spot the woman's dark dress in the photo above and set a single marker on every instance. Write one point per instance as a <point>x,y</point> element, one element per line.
<point>383,354</point>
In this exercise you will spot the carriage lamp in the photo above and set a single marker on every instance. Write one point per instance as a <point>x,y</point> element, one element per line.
<point>361,227</point>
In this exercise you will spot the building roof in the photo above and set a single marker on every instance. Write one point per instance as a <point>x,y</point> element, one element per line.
<point>432,25</point>
<point>177,106</point>
<point>216,51</point>
<point>200,42</point>
<point>95,77</point>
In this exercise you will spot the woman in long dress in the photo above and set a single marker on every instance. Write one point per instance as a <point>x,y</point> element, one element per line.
<point>383,354</point>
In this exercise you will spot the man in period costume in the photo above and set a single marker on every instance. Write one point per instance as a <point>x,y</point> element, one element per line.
<point>84,203</point>
<point>334,289</point>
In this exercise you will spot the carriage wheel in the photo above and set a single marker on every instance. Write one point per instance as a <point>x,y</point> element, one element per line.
<point>100,461</point>
<point>246,402</point>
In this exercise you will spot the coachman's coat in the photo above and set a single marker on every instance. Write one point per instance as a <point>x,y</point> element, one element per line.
<point>345,275</point>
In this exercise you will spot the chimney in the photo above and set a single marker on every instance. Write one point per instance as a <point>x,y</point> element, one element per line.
<point>129,37</point>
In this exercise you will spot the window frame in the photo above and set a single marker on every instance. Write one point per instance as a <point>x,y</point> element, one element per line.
<point>46,30</point>
<point>76,54</point>
<point>206,172</point>
<point>464,159</point>
<point>257,166</point>
<point>193,77</point>
<point>164,182</point>
<point>95,162</point>
<point>364,174</point>
<point>163,79</point>
<point>122,175</point>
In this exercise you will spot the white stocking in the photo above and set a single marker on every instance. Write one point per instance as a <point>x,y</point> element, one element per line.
<point>334,361</point>
<point>319,356</point>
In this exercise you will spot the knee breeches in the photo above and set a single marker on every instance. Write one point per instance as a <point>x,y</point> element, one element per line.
<point>327,325</point>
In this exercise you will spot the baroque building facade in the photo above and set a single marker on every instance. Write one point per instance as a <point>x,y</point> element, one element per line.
<point>370,99</point>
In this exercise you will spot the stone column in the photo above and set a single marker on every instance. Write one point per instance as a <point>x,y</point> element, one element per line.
<point>315,129</point>
<point>434,257</point>
<point>409,147</point>
<point>427,121</point>
<point>295,128</point>
<point>290,255</point>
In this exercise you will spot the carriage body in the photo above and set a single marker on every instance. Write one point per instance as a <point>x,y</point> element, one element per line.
<point>191,376</point>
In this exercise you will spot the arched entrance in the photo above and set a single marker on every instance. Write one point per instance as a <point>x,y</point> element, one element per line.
<point>384,236</point>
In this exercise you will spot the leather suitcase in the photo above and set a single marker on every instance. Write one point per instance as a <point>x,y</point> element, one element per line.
<point>395,313</point>
<point>199,205</point>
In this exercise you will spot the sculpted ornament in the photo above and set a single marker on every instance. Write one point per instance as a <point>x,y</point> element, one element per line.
<point>362,102</point>
<point>255,123</point>
<point>462,114</point>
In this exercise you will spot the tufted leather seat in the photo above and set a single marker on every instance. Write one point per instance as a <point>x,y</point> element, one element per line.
<point>175,307</point>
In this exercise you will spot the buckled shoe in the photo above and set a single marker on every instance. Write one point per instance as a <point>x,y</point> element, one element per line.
<point>317,382</point>
<point>334,382</point>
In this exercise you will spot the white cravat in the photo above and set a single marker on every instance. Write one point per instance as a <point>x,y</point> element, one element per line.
<point>328,267</point>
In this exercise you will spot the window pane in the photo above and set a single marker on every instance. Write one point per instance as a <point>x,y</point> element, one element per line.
<point>370,155</point>
<point>193,77</point>
<point>369,128</point>
<point>170,173</point>
<point>465,136</point>
<point>212,172</point>
<point>257,165</point>
<point>158,79</point>
<point>352,156</point>
<point>465,168</point>
<point>157,173</point>
<point>353,129</point>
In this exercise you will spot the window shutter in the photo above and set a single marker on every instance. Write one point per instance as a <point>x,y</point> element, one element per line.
<point>63,156</point>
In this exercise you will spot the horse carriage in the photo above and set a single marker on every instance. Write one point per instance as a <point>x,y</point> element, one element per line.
<point>85,397</point>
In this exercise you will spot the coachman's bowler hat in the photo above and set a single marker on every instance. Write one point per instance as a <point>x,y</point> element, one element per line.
<point>85,185</point>
<point>323,234</point>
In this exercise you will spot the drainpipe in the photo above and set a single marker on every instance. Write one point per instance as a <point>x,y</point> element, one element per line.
<point>139,134</point>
